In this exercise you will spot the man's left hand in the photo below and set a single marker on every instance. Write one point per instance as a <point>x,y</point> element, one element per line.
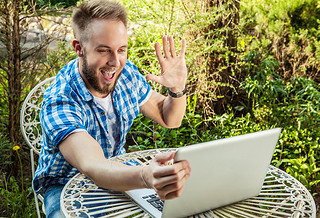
<point>173,67</point>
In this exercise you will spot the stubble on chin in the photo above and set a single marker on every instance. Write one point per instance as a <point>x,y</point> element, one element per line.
<point>93,80</point>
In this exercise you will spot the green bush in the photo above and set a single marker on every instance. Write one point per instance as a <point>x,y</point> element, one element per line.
<point>287,30</point>
<point>55,3</point>
<point>15,193</point>
<point>293,106</point>
<point>16,201</point>
<point>145,134</point>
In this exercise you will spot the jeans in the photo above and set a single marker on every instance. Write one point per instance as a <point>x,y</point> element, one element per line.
<point>52,201</point>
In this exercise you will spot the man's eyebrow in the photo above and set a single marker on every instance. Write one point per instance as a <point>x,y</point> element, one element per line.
<point>106,46</point>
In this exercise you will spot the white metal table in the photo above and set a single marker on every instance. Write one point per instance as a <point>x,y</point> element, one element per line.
<point>281,196</point>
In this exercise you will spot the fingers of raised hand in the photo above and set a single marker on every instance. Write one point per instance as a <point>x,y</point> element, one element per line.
<point>154,78</point>
<point>165,47</point>
<point>169,52</point>
<point>172,47</point>
<point>158,52</point>
<point>183,47</point>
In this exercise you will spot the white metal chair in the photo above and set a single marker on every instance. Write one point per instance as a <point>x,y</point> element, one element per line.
<point>30,125</point>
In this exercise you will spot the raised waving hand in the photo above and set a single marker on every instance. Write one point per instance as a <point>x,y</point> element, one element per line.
<point>173,66</point>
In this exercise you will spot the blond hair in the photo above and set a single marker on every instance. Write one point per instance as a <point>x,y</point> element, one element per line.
<point>88,11</point>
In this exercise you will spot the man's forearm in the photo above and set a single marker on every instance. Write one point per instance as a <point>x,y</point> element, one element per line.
<point>166,111</point>
<point>85,154</point>
<point>174,110</point>
<point>115,176</point>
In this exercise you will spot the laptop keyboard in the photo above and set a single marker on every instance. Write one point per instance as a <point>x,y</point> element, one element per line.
<point>155,201</point>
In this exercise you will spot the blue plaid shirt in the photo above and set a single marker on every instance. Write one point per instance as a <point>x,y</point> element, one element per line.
<point>68,105</point>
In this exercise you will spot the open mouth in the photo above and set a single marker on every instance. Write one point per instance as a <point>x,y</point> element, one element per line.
<point>108,75</point>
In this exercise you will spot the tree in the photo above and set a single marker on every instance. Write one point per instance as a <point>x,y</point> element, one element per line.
<point>22,64</point>
<point>10,76</point>
<point>222,64</point>
<point>214,27</point>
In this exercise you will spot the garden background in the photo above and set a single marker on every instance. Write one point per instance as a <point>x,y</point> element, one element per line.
<point>253,65</point>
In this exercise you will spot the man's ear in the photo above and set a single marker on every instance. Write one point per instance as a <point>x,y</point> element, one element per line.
<point>77,47</point>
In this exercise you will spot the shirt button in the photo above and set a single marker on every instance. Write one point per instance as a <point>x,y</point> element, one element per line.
<point>102,113</point>
<point>77,126</point>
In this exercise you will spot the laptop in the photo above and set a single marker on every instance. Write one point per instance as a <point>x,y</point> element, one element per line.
<point>223,172</point>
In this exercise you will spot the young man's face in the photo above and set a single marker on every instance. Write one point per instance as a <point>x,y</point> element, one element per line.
<point>104,56</point>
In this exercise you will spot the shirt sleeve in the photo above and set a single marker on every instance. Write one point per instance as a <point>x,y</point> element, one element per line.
<point>144,87</point>
<point>60,116</point>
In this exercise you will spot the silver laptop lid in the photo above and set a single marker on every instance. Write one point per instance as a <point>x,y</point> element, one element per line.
<point>223,171</point>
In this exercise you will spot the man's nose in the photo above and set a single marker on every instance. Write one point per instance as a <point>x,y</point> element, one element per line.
<point>114,60</point>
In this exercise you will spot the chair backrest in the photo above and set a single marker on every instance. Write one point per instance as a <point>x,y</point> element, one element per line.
<point>29,115</point>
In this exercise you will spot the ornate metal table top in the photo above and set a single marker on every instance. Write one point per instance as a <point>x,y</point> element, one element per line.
<point>281,196</point>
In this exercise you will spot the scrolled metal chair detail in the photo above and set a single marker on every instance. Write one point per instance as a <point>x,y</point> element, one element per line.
<point>30,124</point>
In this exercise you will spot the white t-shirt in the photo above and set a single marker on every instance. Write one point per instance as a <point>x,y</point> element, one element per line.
<point>113,125</point>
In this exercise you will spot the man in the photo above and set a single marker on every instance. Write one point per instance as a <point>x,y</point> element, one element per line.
<point>89,108</point>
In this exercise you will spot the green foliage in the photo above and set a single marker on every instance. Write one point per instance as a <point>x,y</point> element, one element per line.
<point>277,14</point>
<point>145,29</point>
<point>16,201</point>
<point>56,3</point>
<point>57,59</point>
<point>300,153</point>
<point>16,198</point>
<point>292,105</point>
<point>287,30</point>
<point>144,134</point>
<point>6,151</point>
<point>305,15</point>
<point>4,110</point>
<point>283,102</point>
<point>262,79</point>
